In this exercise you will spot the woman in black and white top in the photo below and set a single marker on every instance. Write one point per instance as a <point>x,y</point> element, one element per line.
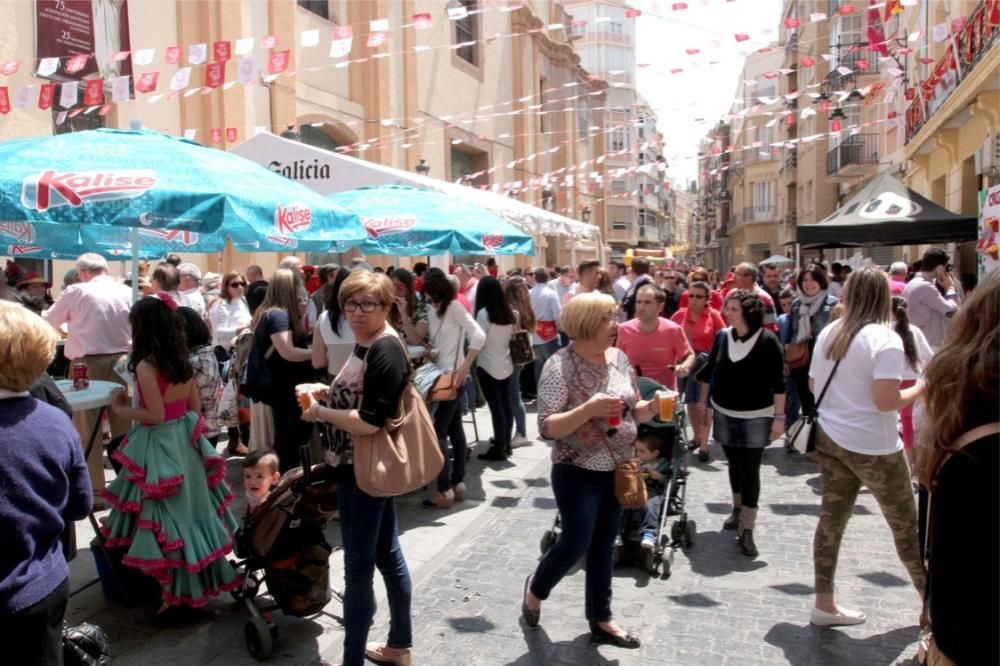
<point>745,377</point>
<point>450,325</point>
<point>494,366</point>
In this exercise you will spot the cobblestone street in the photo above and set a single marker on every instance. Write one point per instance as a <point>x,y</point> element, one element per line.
<point>469,565</point>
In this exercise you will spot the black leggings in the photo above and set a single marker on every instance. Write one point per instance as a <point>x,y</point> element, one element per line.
<point>744,473</point>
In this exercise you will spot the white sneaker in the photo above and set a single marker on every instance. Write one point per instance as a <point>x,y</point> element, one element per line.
<point>520,440</point>
<point>648,542</point>
<point>843,616</point>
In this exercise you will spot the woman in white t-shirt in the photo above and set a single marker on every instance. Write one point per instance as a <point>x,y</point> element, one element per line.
<point>450,326</point>
<point>335,342</point>
<point>856,438</point>
<point>494,365</point>
<point>918,354</point>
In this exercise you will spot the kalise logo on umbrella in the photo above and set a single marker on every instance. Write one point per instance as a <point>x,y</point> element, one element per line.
<point>289,219</point>
<point>20,231</point>
<point>390,224</point>
<point>14,250</point>
<point>492,241</point>
<point>51,188</point>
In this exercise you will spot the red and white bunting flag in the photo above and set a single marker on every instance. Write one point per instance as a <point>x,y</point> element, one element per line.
<point>181,79</point>
<point>232,134</point>
<point>46,95</point>
<point>376,39</point>
<point>677,6</point>
<point>632,13</point>
<point>22,98</point>
<point>247,72</point>
<point>120,89</point>
<point>143,57</point>
<point>93,94</point>
<point>807,61</point>
<point>76,63</point>
<point>10,67</point>
<point>222,51</point>
<point>816,17</point>
<point>215,74</point>
<point>48,66</point>
<point>792,22</point>
<point>197,54</point>
<point>844,10</point>
<point>342,38</point>
<point>67,96</point>
<point>244,46</point>
<point>422,21</point>
<point>146,83</point>
<point>215,135</point>
<point>278,62</point>
<point>692,51</point>
<point>876,33</point>
<point>119,56</point>
<point>172,55</point>
<point>104,109</point>
<point>740,37</point>
<point>457,11</point>
<point>269,41</point>
<point>309,38</point>
<point>4,100</point>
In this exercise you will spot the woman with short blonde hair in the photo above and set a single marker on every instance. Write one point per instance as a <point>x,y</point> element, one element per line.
<point>374,285</point>
<point>589,404</point>
<point>45,485</point>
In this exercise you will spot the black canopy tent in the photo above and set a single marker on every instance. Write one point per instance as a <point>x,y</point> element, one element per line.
<point>887,212</point>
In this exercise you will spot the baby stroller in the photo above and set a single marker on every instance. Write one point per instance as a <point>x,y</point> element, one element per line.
<point>282,544</point>
<point>683,530</point>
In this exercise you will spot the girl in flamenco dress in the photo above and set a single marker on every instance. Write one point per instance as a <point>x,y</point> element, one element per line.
<point>170,502</point>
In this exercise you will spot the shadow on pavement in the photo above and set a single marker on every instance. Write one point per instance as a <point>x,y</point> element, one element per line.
<point>833,647</point>
<point>542,651</point>
<point>709,557</point>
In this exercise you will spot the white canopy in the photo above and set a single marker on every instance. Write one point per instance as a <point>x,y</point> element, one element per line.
<point>328,172</point>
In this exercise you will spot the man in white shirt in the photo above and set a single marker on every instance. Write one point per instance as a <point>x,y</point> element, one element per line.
<point>545,303</point>
<point>167,280</point>
<point>587,279</point>
<point>927,308</point>
<point>190,288</point>
<point>619,279</point>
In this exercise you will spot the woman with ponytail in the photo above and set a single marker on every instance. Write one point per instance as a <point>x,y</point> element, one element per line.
<point>917,353</point>
<point>860,359</point>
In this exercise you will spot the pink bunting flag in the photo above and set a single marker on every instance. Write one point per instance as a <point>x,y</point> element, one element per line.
<point>93,94</point>
<point>278,62</point>
<point>741,37</point>
<point>215,135</point>
<point>678,6</point>
<point>46,95</point>
<point>222,51</point>
<point>232,134</point>
<point>215,74</point>
<point>4,100</point>
<point>76,63</point>
<point>146,83</point>
<point>172,55</point>
<point>269,41</point>
<point>10,67</point>
<point>792,22</point>
<point>633,13</point>
<point>421,21</point>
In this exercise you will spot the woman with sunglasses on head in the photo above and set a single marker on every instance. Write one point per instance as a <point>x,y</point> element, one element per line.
<point>701,323</point>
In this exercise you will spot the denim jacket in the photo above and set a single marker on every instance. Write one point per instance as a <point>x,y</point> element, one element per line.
<point>821,320</point>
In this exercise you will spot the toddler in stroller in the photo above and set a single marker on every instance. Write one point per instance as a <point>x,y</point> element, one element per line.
<point>655,470</point>
<point>282,544</point>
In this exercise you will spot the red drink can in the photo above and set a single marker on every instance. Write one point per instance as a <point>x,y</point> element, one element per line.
<point>615,419</point>
<point>80,374</point>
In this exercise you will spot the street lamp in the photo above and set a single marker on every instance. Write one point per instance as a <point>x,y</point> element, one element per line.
<point>422,168</point>
<point>585,214</point>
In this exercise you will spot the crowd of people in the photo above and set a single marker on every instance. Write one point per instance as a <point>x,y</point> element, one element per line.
<point>893,367</point>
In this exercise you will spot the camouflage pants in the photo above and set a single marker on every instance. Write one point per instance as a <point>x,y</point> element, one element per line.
<point>842,473</point>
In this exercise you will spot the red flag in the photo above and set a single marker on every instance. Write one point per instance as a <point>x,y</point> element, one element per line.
<point>876,35</point>
<point>422,21</point>
<point>172,55</point>
<point>222,51</point>
<point>741,37</point>
<point>806,61</point>
<point>94,93</point>
<point>231,134</point>
<point>46,95</point>
<point>119,56</point>
<point>4,100</point>
<point>677,6</point>
<point>861,64</point>
<point>844,10</point>
<point>9,68</point>
<point>892,114</point>
<point>792,22</point>
<point>215,74</point>
<point>216,135</point>
<point>692,51</point>
<point>77,63</point>
<point>893,7</point>
<point>993,13</point>
<point>278,62</point>
<point>146,83</point>
<point>632,13</point>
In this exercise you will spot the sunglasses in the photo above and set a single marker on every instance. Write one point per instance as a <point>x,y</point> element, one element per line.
<point>237,284</point>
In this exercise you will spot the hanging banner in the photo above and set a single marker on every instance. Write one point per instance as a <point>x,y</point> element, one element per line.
<point>4,100</point>
<point>278,62</point>
<point>215,74</point>
<point>93,94</point>
<point>988,245</point>
<point>221,51</point>
<point>46,95</point>
<point>67,97</point>
<point>146,83</point>
<point>82,27</point>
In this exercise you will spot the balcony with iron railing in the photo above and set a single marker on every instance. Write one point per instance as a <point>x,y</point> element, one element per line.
<point>855,150</point>
<point>790,159</point>
<point>760,213</point>
<point>972,42</point>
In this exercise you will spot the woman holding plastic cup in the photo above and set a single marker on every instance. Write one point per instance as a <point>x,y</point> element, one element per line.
<point>745,377</point>
<point>589,404</point>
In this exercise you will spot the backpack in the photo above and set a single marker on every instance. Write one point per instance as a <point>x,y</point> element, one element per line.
<point>249,369</point>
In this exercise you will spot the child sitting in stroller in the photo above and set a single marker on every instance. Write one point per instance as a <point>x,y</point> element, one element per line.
<point>261,471</point>
<point>655,469</point>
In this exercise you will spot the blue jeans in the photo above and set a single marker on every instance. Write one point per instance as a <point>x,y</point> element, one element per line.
<point>497,394</point>
<point>591,518</point>
<point>791,401</point>
<point>542,354</point>
<point>516,404</point>
<point>448,426</point>
<point>651,518</point>
<point>370,538</point>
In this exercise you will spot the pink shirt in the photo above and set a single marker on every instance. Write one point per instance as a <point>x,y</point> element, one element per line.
<point>97,315</point>
<point>896,287</point>
<point>654,352</point>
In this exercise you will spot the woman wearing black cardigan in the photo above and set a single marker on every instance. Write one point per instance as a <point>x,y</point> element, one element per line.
<point>744,379</point>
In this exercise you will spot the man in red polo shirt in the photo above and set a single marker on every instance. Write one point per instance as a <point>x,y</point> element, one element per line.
<point>656,347</point>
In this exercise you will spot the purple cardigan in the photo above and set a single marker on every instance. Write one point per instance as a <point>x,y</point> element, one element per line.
<point>43,482</point>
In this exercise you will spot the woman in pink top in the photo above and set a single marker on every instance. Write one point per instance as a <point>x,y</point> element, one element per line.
<point>700,323</point>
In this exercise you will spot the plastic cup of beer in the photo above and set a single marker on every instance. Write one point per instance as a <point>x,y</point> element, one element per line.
<point>305,400</point>
<point>667,400</point>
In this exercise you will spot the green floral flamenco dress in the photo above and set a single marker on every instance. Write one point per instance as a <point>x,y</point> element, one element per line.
<point>170,507</point>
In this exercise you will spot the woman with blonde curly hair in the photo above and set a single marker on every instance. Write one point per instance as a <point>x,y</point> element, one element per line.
<point>958,462</point>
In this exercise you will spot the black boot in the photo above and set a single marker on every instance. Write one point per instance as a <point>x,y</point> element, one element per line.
<point>494,453</point>
<point>745,540</point>
<point>733,521</point>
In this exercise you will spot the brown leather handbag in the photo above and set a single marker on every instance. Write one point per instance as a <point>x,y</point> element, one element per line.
<point>404,454</point>
<point>630,486</point>
<point>797,354</point>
